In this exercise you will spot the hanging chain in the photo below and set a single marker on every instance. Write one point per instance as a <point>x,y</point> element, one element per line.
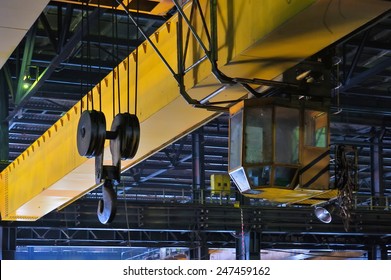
<point>243,237</point>
<point>345,180</point>
<point>337,86</point>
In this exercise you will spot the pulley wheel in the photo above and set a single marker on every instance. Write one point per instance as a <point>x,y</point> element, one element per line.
<point>91,133</point>
<point>128,128</point>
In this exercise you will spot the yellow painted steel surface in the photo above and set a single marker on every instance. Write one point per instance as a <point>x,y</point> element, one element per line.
<point>256,39</point>
<point>298,196</point>
<point>155,7</point>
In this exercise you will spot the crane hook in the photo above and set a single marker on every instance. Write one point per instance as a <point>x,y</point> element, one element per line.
<point>107,206</point>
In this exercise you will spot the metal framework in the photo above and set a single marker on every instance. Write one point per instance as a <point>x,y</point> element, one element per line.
<point>219,225</point>
<point>168,176</point>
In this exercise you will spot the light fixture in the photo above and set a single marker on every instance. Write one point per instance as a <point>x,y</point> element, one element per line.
<point>324,213</point>
<point>27,80</point>
<point>30,76</point>
<point>303,75</point>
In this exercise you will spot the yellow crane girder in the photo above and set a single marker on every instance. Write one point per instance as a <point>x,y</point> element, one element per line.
<point>154,7</point>
<point>256,39</point>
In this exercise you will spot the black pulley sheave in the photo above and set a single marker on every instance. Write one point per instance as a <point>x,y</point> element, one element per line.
<point>91,133</point>
<point>128,128</point>
<point>124,139</point>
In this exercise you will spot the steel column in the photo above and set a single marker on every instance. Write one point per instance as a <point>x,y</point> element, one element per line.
<point>377,182</point>
<point>241,245</point>
<point>201,251</point>
<point>4,135</point>
<point>8,243</point>
<point>248,246</point>
<point>254,243</point>
<point>26,61</point>
<point>383,252</point>
<point>377,252</point>
<point>373,252</point>
<point>198,165</point>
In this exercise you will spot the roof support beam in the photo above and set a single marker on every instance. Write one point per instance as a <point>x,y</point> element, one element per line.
<point>64,25</point>
<point>368,73</point>
<point>49,31</point>
<point>26,61</point>
<point>56,61</point>
<point>357,56</point>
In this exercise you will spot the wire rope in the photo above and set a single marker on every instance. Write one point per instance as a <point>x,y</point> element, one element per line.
<point>118,61</point>
<point>136,70</point>
<point>113,58</point>
<point>89,69</point>
<point>99,58</point>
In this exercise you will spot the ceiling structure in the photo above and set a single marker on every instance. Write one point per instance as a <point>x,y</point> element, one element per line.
<point>166,200</point>
<point>15,20</point>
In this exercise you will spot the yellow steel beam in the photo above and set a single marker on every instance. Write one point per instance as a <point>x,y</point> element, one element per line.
<point>299,196</point>
<point>155,7</point>
<point>256,39</point>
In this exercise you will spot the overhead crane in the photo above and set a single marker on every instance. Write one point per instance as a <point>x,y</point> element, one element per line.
<point>254,40</point>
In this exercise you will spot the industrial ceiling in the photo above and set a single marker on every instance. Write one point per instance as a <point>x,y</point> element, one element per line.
<point>166,199</point>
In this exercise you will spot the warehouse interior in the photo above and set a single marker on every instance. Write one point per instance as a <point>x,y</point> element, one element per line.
<point>133,56</point>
